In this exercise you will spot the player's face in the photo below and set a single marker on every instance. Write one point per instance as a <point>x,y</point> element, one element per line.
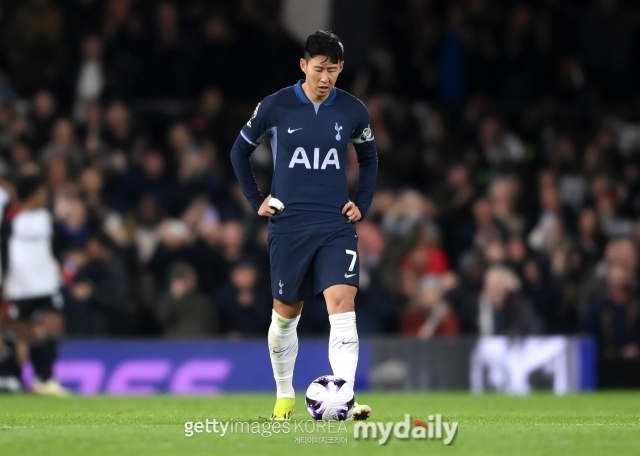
<point>322,75</point>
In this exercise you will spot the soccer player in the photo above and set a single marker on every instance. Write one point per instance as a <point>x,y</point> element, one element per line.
<point>312,241</point>
<point>32,279</point>
<point>9,359</point>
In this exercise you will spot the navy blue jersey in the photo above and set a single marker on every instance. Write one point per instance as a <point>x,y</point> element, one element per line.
<point>309,143</point>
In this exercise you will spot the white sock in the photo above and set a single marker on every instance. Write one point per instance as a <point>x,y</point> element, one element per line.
<point>343,345</point>
<point>283,349</point>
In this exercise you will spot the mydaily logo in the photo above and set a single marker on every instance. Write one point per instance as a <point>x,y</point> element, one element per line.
<point>433,429</point>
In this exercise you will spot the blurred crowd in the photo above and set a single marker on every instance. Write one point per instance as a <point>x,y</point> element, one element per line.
<point>508,136</point>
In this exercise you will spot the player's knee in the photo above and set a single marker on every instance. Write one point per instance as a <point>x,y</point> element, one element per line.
<point>47,324</point>
<point>341,304</point>
<point>340,299</point>
<point>22,329</point>
<point>287,309</point>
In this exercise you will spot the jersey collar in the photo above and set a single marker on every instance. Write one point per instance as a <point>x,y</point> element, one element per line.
<point>302,97</point>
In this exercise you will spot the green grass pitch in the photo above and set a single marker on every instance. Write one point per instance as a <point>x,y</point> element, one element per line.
<point>590,424</point>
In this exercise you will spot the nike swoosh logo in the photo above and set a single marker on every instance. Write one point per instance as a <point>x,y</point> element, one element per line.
<point>291,131</point>
<point>346,276</point>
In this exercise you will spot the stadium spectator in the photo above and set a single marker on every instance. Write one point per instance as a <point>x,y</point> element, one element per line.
<point>590,239</point>
<point>184,311</point>
<point>63,144</point>
<point>504,194</point>
<point>91,76</point>
<point>502,149</point>
<point>613,318</point>
<point>119,130</point>
<point>73,224</point>
<point>463,296</point>
<point>244,307</point>
<point>502,309</point>
<point>487,228</point>
<point>426,257</point>
<point>42,117</point>
<point>544,292</point>
<point>149,177</point>
<point>429,314</point>
<point>99,295</point>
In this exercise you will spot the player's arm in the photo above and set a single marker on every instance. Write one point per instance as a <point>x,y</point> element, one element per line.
<point>365,146</point>
<point>249,138</point>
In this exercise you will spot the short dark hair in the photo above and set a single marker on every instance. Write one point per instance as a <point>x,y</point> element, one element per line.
<point>28,185</point>
<point>324,43</point>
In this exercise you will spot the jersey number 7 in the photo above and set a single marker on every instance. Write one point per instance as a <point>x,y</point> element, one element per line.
<point>354,254</point>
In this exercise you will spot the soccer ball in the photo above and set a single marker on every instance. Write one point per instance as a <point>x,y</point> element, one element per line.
<point>330,398</point>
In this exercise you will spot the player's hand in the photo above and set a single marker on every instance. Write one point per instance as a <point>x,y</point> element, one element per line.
<point>351,211</point>
<point>266,210</point>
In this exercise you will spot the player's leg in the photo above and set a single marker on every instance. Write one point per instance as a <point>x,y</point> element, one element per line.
<point>12,354</point>
<point>283,350</point>
<point>283,345</point>
<point>336,272</point>
<point>290,259</point>
<point>343,336</point>
<point>336,276</point>
<point>39,324</point>
<point>48,327</point>
<point>343,339</point>
<point>18,332</point>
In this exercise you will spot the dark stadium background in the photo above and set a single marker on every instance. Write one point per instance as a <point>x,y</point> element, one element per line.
<point>508,134</point>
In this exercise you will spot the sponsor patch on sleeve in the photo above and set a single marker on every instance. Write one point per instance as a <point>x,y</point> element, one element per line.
<point>366,135</point>
<point>255,113</point>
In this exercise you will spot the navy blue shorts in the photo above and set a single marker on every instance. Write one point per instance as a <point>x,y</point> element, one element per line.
<point>305,263</point>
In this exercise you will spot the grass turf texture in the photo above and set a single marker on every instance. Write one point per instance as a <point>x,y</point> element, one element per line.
<point>593,424</point>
